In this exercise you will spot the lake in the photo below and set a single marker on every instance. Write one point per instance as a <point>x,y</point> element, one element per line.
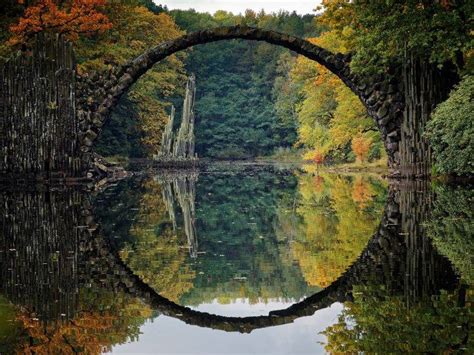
<point>238,258</point>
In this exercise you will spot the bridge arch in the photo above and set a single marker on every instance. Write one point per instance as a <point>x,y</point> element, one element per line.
<point>388,259</point>
<point>388,246</point>
<point>381,96</point>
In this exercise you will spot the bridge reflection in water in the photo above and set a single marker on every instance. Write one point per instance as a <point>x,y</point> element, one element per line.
<point>66,276</point>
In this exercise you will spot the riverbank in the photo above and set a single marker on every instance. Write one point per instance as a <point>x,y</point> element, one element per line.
<point>379,167</point>
<point>295,157</point>
<point>291,158</point>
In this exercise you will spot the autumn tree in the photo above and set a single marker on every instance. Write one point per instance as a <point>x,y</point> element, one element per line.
<point>360,147</point>
<point>103,320</point>
<point>318,158</point>
<point>329,114</point>
<point>71,18</point>
<point>107,34</point>
<point>135,127</point>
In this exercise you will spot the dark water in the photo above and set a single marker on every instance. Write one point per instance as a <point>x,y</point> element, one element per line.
<point>238,260</point>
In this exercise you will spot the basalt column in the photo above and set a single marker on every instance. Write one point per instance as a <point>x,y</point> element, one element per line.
<point>184,143</point>
<point>179,190</point>
<point>167,137</point>
<point>425,86</point>
<point>38,127</point>
<point>41,244</point>
<point>180,146</point>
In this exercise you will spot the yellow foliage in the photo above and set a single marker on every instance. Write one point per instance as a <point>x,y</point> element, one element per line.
<point>90,332</point>
<point>329,114</point>
<point>136,29</point>
<point>159,259</point>
<point>337,225</point>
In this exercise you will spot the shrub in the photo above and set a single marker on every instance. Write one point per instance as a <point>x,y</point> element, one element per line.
<point>451,131</point>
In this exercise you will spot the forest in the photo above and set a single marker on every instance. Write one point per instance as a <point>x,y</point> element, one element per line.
<point>255,99</point>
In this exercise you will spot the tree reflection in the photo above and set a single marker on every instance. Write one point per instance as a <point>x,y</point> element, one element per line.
<point>49,271</point>
<point>103,320</point>
<point>422,312</point>
<point>158,250</point>
<point>379,322</point>
<point>338,217</point>
<point>252,230</point>
<point>70,285</point>
<point>452,227</point>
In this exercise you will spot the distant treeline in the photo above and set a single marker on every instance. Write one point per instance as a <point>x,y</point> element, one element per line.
<point>238,85</point>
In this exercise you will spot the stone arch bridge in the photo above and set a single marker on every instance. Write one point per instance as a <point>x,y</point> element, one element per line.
<point>382,96</point>
<point>399,101</point>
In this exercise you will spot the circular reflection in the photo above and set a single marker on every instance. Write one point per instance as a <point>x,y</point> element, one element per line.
<point>245,244</point>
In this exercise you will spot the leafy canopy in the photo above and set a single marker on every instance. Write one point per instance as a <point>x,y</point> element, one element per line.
<point>71,18</point>
<point>136,125</point>
<point>451,131</point>
<point>328,113</point>
<point>244,105</point>
<point>437,31</point>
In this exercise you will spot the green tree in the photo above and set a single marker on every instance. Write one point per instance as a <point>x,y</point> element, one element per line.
<point>437,31</point>
<point>285,97</point>
<point>451,227</point>
<point>238,86</point>
<point>451,131</point>
<point>377,322</point>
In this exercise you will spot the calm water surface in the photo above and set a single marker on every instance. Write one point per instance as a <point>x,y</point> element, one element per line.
<point>238,260</point>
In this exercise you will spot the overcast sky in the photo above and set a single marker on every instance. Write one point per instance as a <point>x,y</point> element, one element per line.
<point>239,6</point>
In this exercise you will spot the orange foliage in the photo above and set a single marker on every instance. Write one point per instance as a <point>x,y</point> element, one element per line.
<point>318,182</point>
<point>361,146</point>
<point>89,332</point>
<point>67,337</point>
<point>318,158</point>
<point>362,192</point>
<point>72,18</point>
